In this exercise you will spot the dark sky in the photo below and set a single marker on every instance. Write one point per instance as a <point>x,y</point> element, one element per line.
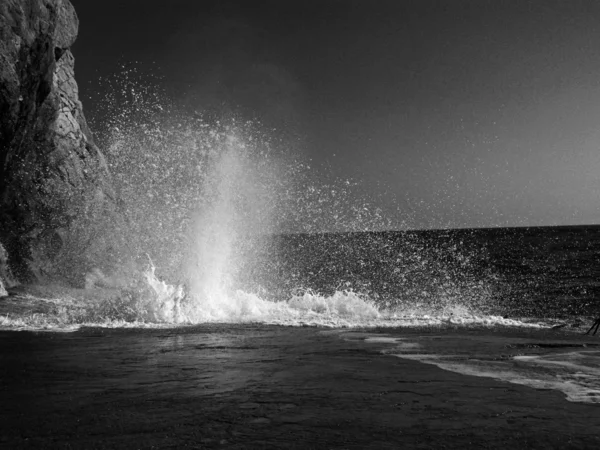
<point>461,113</point>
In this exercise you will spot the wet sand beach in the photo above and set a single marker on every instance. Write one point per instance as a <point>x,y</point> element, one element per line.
<point>259,386</point>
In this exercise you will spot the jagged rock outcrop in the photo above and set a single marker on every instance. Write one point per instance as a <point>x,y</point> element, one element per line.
<point>6,278</point>
<point>56,199</point>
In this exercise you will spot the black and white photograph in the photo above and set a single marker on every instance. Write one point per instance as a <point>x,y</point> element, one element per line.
<point>303,224</point>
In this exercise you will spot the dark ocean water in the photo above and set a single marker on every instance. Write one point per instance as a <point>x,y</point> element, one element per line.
<point>526,272</point>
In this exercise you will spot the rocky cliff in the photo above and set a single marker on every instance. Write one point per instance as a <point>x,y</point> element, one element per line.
<point>56,200</point>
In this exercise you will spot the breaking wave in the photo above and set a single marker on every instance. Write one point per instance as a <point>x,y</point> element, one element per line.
<point>165,306</point>
<point>204,200</point>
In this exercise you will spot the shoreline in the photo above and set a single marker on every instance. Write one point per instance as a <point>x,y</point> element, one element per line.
<point>259,386</point>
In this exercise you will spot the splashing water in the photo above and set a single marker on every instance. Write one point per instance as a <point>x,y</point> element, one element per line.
<point>207,201</point>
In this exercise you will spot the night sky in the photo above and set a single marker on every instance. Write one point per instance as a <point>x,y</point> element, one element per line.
<point>459,113</point>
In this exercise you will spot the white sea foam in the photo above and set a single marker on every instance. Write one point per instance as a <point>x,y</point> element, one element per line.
<point>547,366</point>
<point>579,384</point>
<point>165,305</point>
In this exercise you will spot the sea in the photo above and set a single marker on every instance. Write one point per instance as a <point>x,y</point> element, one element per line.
<point>227,224</point>
<point>508,303</point>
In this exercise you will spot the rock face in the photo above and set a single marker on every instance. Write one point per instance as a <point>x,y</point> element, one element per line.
<point>56,199</point>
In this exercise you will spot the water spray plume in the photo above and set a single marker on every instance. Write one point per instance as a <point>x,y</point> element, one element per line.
<point>224,225</point>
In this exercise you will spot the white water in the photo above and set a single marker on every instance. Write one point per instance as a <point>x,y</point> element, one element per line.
<point>579,384</point>
<point>205,232</point>
<point>201,201</point>
<point>566,365</point>
<point>166,306</point>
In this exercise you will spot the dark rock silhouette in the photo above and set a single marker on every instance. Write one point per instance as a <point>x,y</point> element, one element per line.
<point>56,201</point>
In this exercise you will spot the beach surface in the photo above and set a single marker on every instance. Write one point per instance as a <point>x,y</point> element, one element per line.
<point>260,386</point>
